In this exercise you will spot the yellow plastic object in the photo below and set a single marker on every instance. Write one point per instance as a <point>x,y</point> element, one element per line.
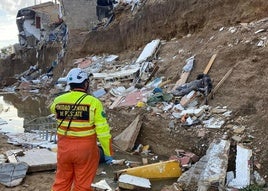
<point>160,170</point>
<point>140,104</point>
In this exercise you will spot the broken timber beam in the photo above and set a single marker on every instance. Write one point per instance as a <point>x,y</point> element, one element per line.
<point>223,80</point>
<point>214,90</point>
<point>211,61</point>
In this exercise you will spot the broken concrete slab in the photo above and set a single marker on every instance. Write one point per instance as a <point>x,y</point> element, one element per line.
<point>33,139</point>
<point>37,159</point>
<point>120,75</point>
<point>242,172</point>
<point>12,174</point>
<point>127,138</point>
<point>216,167</point>
<point>3,158</point>
<point>210,169</point>
<point>133,182</point>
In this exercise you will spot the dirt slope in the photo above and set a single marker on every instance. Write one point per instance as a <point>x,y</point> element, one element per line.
<point>197,27</point>
<point>201,29</point>
<point>189,27</point>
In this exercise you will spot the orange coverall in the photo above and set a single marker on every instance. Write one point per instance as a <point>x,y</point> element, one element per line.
<point>78,132</point>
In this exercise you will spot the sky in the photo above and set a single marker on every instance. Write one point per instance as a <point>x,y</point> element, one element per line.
<point>8,27</point>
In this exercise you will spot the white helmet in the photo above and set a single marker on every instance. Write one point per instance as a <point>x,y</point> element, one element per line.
<point>76,75</point>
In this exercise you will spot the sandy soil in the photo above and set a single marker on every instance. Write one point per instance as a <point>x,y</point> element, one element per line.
<point>189,28</point>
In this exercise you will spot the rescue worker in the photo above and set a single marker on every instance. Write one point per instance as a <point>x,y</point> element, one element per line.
<point>81,122</point>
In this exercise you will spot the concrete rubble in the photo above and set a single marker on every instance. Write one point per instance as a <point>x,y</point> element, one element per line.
<point>37,159</point>
<point>12,174</point>
<point>210,169</point>
<point>243,169</point>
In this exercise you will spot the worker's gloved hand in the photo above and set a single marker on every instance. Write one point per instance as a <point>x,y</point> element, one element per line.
<point>108,159</point>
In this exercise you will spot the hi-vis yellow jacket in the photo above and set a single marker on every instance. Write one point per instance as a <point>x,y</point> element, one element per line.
<point>86,119</point>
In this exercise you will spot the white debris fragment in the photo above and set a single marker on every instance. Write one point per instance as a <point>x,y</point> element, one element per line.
<point>34,91</point>
<point>242,178</point>
<point>232,29</point>
<point>260,43</point>
<point>148,51</point>
<point>214,122</point>
<point>102,185</point>
<point>3,122</point>
<point>215,169</point>
<point>111,58</point>
<point>134,180</point>
<point>260,30</point>
<point>99,93</point>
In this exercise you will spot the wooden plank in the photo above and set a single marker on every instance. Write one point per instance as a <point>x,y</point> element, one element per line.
<point>223,79</point>
<point>126,140</point>
<point>211,61</point>
<point>182,80</point>
<point>164,83</point>
<point>215,89</point>
<point>39,159</point>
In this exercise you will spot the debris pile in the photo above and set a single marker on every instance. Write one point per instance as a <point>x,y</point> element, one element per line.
<point>135,85</point>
